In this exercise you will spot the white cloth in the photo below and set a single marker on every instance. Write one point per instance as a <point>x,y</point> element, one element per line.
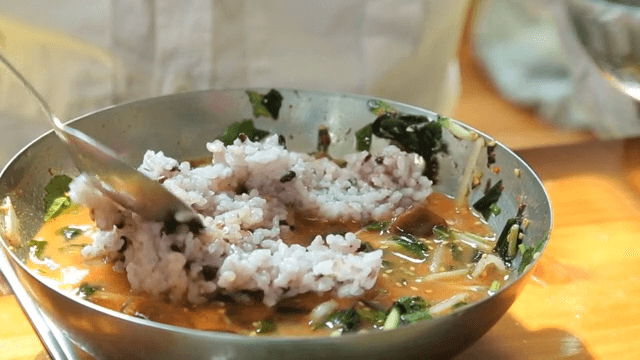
<point>530,50</point>
<point>94,53</point>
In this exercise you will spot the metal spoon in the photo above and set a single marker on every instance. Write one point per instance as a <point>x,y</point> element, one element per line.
<point>116,179</point>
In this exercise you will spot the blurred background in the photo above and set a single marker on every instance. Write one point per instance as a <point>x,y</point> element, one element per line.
<point>512,68</point>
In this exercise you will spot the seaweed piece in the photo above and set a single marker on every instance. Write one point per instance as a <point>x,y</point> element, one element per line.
<point>411,244</point>
<point>242,127</point>
<point>412,133</point>
<point>502,245</point>
<point>209,272</point>
<point>272,101</point>
<point>288,176</point>
<point>324,139</point>
<point>363,138</point>
<point>69,232</point>
<point>487,204</point>
<point>365,247</point>
<point>491,154</point>
<point>39,246</point>
<point>56,200</point>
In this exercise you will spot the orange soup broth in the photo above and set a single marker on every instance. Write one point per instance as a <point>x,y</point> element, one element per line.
<point>400,276</point>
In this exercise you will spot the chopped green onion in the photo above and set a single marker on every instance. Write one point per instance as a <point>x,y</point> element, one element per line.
<point>393,319</point>
<point>378,226</point>
<point>379,107</point>
<point>265,326</point>
<point>529,253</point>
<point>442,232</point>
<point>456,129</point>
<point>487,204</point>
<point>495,286</point>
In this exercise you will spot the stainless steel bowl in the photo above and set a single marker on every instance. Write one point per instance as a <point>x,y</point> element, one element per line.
<point>180,125</point>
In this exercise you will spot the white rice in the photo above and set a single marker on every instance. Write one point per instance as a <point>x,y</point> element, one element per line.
<point>241,246</point>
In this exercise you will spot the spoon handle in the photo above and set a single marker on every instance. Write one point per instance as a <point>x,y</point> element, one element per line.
<point>53,119</point>
<point>53,340</point>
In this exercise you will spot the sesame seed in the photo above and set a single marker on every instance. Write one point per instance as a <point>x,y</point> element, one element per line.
<point>414,288</point>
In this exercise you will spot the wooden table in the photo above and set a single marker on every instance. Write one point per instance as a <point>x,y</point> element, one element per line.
<point>584,299</point>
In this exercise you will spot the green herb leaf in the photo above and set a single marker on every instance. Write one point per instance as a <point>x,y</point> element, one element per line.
<point>416,316</point>
<point>487,204</point>
<point>56,200</point>
<point>411,244</point>
<point>242,127</point>
<point>442,233</point>
<point>379,107</point>
<point>456,253</point>
<point>411,304</point>
<point>266,105</point>
<point>348,320</point>
<point>265,326</point>
<point>39,246</point>
<point>70,247</point>
<point>460,304</point>
<point>375,317</point>
<point>378,226</point>
<point>363,138</point>
<point>87,290</point>
<point>528,253</point>
<point>69,232</point>
<point>258,108</point>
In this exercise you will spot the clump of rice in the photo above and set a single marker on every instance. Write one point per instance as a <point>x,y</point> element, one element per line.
<point>243,197</point>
